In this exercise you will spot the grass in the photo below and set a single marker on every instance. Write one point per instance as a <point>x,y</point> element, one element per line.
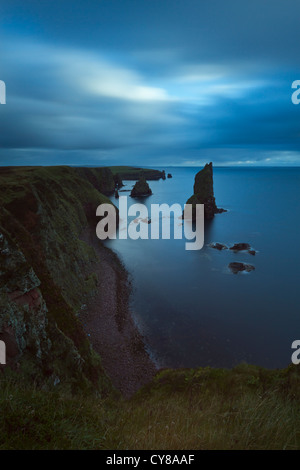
<point>243,408</point>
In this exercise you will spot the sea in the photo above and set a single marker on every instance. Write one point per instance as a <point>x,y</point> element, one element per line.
<point>189,306</point>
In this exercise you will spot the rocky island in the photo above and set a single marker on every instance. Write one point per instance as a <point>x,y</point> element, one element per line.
<point>141,188</point>
<point>204,192</point>
<point>237,267</point>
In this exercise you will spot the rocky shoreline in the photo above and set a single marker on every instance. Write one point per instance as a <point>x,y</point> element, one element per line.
<point>60,291</point>
<point>108,322</point>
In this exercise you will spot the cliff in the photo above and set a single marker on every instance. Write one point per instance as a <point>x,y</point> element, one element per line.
<point>133,173</point>
<point>204,192</point>
<point>48,271</point>
<point>101,179</point>
<point>61,290</point>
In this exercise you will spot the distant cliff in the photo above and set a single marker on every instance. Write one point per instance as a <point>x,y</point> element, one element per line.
<point>101,179</point>
<point>133,173</point>
<point>204,192</point>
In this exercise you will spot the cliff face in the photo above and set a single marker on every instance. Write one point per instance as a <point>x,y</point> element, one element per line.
<point>23,318</point>
<point>101,179</point>
<point>204,192</point>
<point>133,173</point>
<point>27,327</point>
<point>47,272</point>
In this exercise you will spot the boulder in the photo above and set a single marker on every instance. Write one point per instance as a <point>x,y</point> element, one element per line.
<point>243,247</point>
<point>237,267</point>
<point>252,252</point>
<point>240,247</point>
<point>218,246</point>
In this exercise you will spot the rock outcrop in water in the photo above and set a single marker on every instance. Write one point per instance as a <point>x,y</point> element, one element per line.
<point>243,247</point>
<point>141,188</point>
<point>204,193</point>
<point>218,246</point>
<point>237,267</point>
<point>240,247</point>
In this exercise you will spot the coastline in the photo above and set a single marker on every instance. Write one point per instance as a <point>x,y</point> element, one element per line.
<point>108,322</point>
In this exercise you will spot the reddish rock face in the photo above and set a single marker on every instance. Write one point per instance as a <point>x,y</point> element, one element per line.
<point>31,298</point>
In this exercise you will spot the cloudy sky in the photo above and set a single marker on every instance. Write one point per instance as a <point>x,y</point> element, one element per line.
<point>149,82</point>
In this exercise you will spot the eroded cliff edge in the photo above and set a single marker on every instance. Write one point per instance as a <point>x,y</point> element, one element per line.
<point>59,284</point>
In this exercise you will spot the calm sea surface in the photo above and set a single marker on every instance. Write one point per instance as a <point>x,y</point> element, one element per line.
<point>192,310</point>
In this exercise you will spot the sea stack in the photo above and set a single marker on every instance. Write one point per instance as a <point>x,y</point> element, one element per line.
<point>204,192</point>
<point>141,188</point>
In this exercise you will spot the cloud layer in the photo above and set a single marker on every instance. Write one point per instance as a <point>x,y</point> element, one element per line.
<point>170,83</point>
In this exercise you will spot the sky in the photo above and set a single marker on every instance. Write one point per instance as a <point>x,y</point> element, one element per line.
<point>149,82</point>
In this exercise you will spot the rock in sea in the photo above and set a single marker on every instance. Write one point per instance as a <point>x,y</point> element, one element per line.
<point>204,193</point>
<point>240,247</point>
<point>218,246</point>
<point>141,188</point>
<point>243,247</point>
<point>237,267</point>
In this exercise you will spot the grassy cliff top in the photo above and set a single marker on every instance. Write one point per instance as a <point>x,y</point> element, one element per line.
<point>244,408</point>
<point>134,173</point>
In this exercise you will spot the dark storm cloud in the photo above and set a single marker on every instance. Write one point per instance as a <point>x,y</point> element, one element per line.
<point>170,82</point>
